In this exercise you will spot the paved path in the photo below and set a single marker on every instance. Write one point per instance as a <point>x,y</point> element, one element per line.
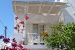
<point>37,49</point>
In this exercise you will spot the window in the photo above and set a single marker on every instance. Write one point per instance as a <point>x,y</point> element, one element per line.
<point>35,28</point>
<point>38,28</point>
<point>41,28</point>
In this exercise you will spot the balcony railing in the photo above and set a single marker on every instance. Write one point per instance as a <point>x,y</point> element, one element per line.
<point>33,38</point>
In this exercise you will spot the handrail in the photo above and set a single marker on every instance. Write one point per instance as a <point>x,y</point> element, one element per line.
<point>31,37</point>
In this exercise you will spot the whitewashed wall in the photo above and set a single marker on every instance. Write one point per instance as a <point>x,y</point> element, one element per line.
<point>37,19</point>
<point>69,12</point>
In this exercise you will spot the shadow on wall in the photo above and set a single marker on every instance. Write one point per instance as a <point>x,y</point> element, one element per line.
<point>67,17</point>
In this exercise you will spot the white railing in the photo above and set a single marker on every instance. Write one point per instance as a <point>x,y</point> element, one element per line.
<point>33,38</point>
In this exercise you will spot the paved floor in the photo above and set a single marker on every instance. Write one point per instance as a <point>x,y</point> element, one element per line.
<point>37,49</point>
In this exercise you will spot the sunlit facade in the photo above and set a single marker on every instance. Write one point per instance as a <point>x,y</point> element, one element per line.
<point>41,15</point>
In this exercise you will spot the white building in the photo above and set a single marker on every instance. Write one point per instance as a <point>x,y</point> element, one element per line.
<point>42,15</point>
<point>69,12</point>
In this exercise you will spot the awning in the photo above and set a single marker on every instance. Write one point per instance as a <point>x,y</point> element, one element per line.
<point>21,7</point>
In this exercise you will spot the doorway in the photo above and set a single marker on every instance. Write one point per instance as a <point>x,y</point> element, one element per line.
<point>37,29</point>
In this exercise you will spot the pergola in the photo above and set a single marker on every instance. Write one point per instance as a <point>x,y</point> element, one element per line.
<point>37,7</point>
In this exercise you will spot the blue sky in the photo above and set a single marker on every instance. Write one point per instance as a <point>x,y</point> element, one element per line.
<point>7,16</point>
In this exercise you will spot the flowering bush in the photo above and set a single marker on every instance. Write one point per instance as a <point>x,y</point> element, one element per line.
<point>14,44</point>
<point>6,40</point>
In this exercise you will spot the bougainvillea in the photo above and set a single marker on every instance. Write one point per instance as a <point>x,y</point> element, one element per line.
<point>21,22</point>
<point>20,46</point>
<point>6,40</point>
<point>26,17</point>
<point>16,17</point>
<point>14,44</point>
<point>15,27</point>
<point>1,37</point>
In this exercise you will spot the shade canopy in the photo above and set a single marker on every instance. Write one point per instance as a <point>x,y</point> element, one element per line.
<point>38,12</point>
<point>21,7</point>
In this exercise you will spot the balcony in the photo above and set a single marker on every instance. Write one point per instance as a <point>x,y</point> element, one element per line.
<point>33,39</point>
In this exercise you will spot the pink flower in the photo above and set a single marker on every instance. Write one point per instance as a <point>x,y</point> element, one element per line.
<point>16,17</point>
<point>21,22</point>
<point>13,40</point>
<point>20,46</point>
<point>6,40</point>
<point>15,27</point>
<point>1,37</point>
<point>14,44</point>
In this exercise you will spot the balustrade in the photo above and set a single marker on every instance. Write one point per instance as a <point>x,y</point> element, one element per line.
<point>33,38</point>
